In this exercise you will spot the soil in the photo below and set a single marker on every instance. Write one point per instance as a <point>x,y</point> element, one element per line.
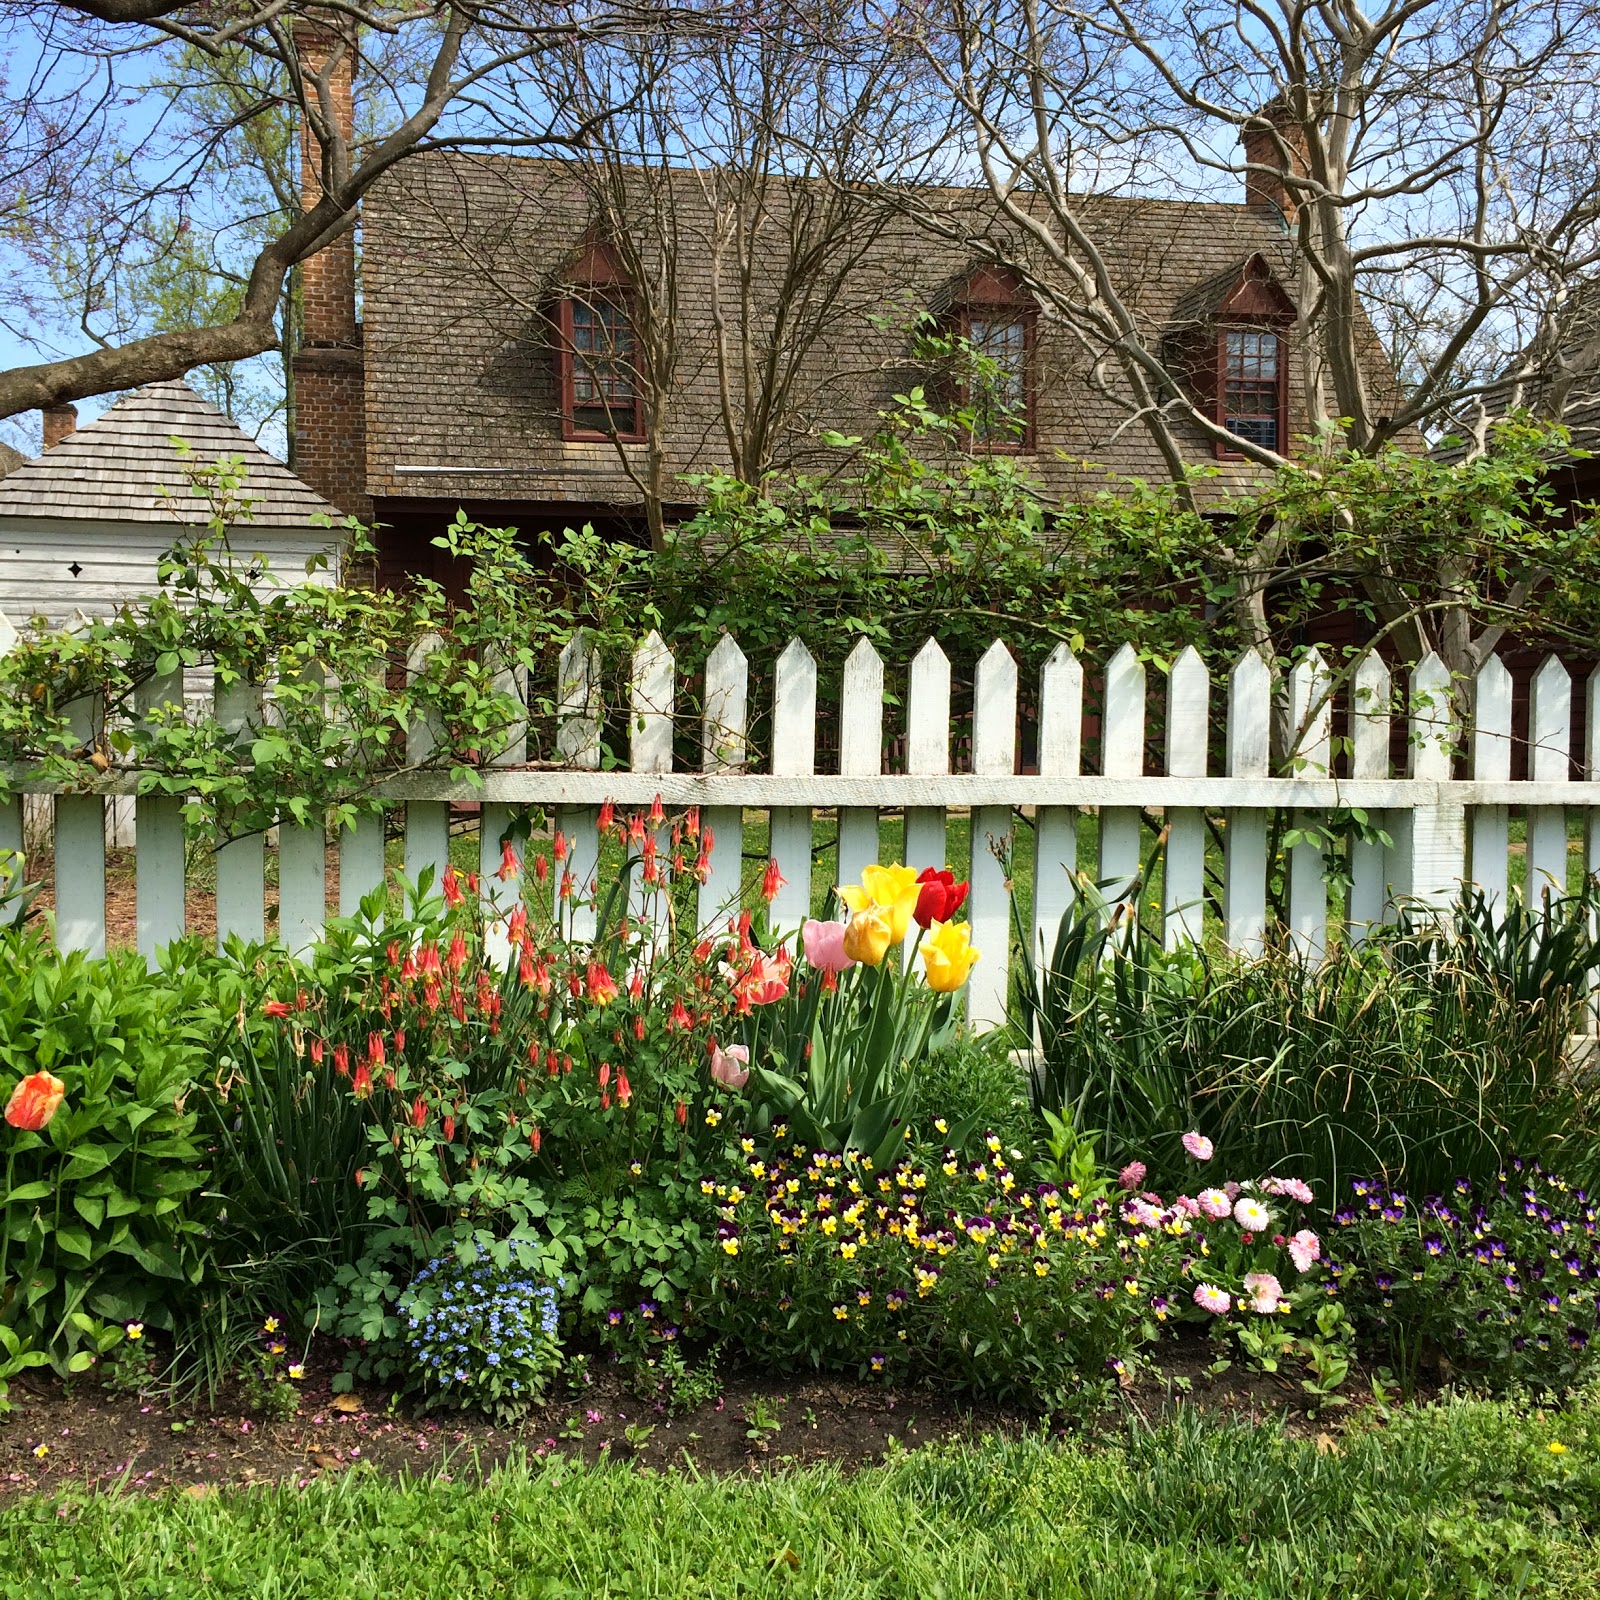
<point>94,1439</point>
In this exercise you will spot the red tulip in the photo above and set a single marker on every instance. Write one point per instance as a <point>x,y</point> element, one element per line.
<point>941,896</point>
<point>35,1101</point>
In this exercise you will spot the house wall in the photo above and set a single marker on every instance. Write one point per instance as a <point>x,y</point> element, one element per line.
<point>117,563</point>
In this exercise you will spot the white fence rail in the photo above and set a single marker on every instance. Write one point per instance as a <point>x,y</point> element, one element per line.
<point>1446,829</point>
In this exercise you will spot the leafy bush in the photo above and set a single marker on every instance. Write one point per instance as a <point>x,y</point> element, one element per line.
<point>102,1215</point>
<point>1424,1055</point>
<point>1497,1282</point>
<point>479,1336</point>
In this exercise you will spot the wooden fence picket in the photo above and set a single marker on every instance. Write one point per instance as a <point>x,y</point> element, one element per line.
<point>160,858</point>
<point>241,862</point>
<point>1549,757</point>
<point>1311,722</point>
<point>1430,841</point>
<point>1244,910</point>
<point>655,687</point>
<point>1121,756</point>
<point>578,744</point>
<point>427,821</point>
<point>1055,828</point>
<point>1183,882</point>
<point>1491,763</point>
<point>794,755</point>
<point>1370,718</point>
<point>994,755</point>
<point>724,747</point>
<point>501,889</point>
<point>860,756</point>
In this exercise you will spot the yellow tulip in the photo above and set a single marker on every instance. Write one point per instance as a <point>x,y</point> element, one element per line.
<point>891,891</point>
<point>867,938</point>
<point>948,956</point>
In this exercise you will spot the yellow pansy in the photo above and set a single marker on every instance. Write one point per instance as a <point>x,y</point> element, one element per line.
<point>891,891</point>
<point>948,956</point>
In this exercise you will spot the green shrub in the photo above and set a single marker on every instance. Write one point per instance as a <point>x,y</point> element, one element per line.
<point>102,1214</point>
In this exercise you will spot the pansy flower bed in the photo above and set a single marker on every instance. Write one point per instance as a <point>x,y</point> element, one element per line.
<point>1498,1283</point>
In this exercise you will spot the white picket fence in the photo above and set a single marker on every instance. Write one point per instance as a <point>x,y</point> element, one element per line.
<point>1445,830</point>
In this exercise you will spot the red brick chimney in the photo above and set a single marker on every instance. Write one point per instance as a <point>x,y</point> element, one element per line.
<point>330,424</point>
<point>1274,138</point>
<point>59,422</point>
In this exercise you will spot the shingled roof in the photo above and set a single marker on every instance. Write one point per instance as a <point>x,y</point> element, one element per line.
<point>122,467</point>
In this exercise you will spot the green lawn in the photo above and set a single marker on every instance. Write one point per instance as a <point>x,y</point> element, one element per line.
<point>1462,1499</point>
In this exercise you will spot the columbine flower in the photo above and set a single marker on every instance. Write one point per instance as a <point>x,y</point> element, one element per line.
<point>1210,1298</point>
<point>1251,1215</point>
<point>1198,1146</point>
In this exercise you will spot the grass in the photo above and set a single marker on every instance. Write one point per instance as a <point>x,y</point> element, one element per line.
<point>1461,1499</point>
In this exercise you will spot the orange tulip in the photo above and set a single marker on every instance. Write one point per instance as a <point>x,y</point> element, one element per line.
<point>35,1101</point>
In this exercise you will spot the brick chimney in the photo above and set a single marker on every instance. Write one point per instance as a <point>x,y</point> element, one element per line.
<point>1274,138</point>
<point>59,422</point>
<point>330,424</point>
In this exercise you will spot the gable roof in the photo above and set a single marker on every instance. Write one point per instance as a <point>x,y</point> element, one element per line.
<point>1248,289</point>
<point>122,468</point>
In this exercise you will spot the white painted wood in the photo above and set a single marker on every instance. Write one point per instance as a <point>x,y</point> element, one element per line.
<point>1491,760</point>
<point>1245,846</point>
<point>501,894</point>
<point>361,865</point>
<point>302,869</point>
<point>1311,719</point>
<point>1183,880</point>
<point>160,864</point>
<point>794,753</point>
<point>1591,770</point>
<point>994,754</point>
<point>724,747</point>
<point>1430,840</point>
<point>578,744</point>
<point>1055,828</point>
<point>1122,756</point>
<point>860,755</point>
<point>654,698</point>
<point>1369,758</point>
<point>241,863</point>
<point>1549,756</point>
<point>927,753</point>
<point>427,821</point>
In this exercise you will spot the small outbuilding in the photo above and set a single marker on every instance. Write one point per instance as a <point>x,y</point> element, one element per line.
<point>84,525</point>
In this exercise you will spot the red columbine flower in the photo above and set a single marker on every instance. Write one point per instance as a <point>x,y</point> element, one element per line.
<point>510,866</point>
<point>341,1060</point>
<point>679,1016</point>
<point>317,1048</point>
<point>638,1027</point>
<point>361,1084</point>
<point>658,814</point>
<point>566,885</point>
<point>276,1008</point>
<point>430,961</point>
<point>624,1090</point>
<point>541,870</point>
<point>635,829</point>
<point>430,993</point>
<point>608,815</point>
<point>605,1101</point>
<point>766,979</point>
<point>772,881</point>
<point>388,1080</point>
<point>691,821</point>
<point>558,845</point>
<point>516,924</point>
<point>392,951</point>
<point>408,969</point>
<point>419,1113</point>
<point>458,1003</point>
<point>449,1129</point>
<point>681,1113</point>
<point>602,987</point>
<point>636,986</point>
<point>399,1040</point>
<point>535,1138</point>
<point>34,1101</point>
<point>451,885</point>
<point>456,959</point>
<point>941,896</point>
<point>605,1073</point>
<point>375,1053</point>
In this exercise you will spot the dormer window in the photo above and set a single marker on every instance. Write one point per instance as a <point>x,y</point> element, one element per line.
<point>597,354</point>
<point>1252,391</point>
<point>993,311</point>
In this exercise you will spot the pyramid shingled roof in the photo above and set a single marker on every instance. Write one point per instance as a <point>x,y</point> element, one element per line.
<point>122,467</point>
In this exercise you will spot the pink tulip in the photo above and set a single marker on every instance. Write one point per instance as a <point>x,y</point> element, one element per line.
<point>824,945</point>
<point>731,1067</point>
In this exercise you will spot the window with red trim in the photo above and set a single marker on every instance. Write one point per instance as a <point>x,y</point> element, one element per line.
<point>601,397</point>
<point>994,312</point>
<point>1251,392</point>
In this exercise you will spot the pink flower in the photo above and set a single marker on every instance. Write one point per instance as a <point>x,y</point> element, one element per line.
<point>1214,1203</point>
<point>1290,1188</point>
<point>731,1066</point>
<point>1132,1175</point>
<point>1187,1204</point>
<point>1210,1298</point>
<point>1304,1248</point>
<point>824,945</point>
<point>1198,1146</point>
<point>1264,1290</point>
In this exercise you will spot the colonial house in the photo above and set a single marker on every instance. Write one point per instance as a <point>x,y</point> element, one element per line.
<point>541,349</point>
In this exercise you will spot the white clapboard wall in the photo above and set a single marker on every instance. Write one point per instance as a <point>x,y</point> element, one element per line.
<point>1445,829</point>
